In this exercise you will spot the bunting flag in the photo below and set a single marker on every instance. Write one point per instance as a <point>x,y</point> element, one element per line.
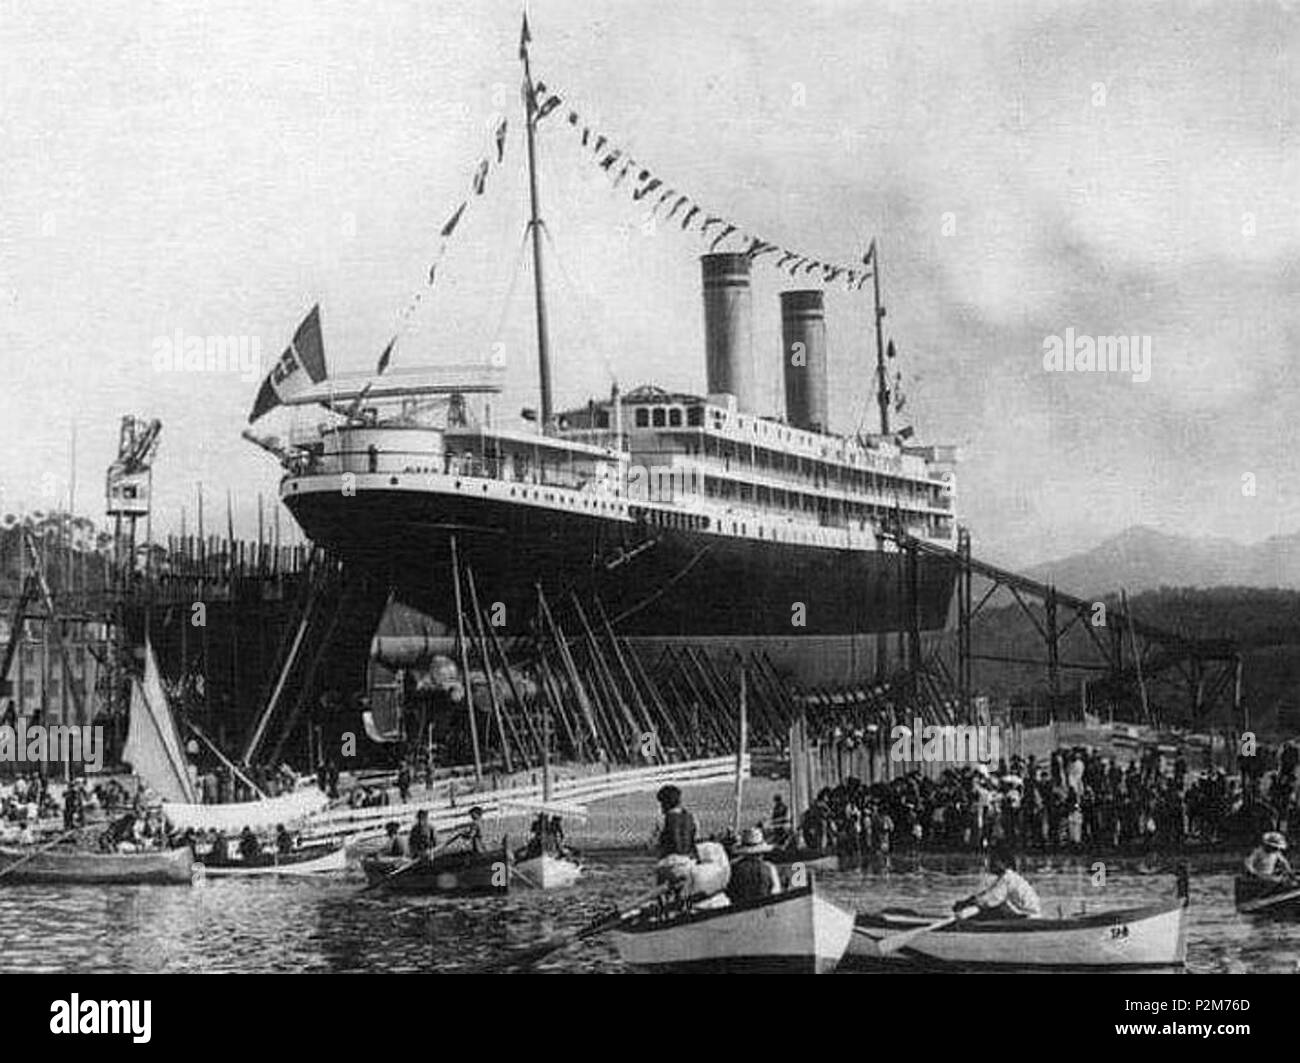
<point>646,189</point>
<point>300,366</point>
<point>525,39</point>
<point>889,350</point>
<point>385,358</point>
<point>547,107</point>
<point>620,165</point>
<point>453,221</point>
<point>494,152</point>
<point>721,236</point>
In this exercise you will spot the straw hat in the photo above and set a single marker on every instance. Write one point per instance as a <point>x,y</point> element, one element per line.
<point>752,841</point>
<point>1275,840</point>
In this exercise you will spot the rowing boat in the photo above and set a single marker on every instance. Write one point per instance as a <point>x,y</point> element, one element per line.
<point>1267,900</point>
<point>1131,938</point>
<point>796,932</point>
<point>308,860</point>
<point>77,867</point>
<point>451,874</point>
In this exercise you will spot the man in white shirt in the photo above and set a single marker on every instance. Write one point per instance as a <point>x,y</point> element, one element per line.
<point>1267,861</point>
<point>1010,896</point>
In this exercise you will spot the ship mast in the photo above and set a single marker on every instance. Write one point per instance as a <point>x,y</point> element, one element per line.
<point>882,390</point>
<point>535,224</point>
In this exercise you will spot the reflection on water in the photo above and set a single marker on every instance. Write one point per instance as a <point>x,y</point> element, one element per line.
<point>328,924</point>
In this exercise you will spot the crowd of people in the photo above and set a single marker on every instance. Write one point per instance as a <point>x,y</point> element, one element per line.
<point>32,797</point>
<point>1077,800</point>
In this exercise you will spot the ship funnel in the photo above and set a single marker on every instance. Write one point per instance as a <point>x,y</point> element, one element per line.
<point>803,356</point>
<point>728,339</point>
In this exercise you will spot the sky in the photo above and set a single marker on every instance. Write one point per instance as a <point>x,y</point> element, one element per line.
<point>1115,168</point>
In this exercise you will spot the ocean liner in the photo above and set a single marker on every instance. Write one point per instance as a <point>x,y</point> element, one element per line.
<point>688,516</point>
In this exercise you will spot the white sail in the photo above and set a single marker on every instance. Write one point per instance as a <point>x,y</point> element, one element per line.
<point>153,748</point>
<point>259,815</point>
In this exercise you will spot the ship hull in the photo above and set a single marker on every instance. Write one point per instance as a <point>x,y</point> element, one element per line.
<point>819,609</point>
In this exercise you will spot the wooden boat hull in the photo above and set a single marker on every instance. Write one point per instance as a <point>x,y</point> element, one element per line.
<point>452,874</point>
<point>547,872</point>
<point>1252,897</point>
<point>794,932</point>
<point>309,860</point>
<point>53,867</point>
<point>1128,939</point>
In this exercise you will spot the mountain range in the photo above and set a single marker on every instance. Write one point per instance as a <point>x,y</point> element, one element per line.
<point>1142,559</point>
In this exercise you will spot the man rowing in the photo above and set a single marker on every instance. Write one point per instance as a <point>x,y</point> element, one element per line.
<point>423,837</point>
<point>677,836</point>
<point>691,869</point>
<point>1010,896</point>
<point>752,877</point>
<point>395,844</point>
<point>472,832</point>
<point>1267,862</point>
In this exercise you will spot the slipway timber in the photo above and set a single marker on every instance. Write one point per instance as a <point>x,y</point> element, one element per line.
<point>289,642</point>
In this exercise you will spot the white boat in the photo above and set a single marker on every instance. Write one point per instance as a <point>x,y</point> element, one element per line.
<point>545,864</point>
<point>547,872</point>
<point>309,860</point>
<point>154,751</point>
<point>261,816</point>
<point>1126,939</point>
<point>796,932</point>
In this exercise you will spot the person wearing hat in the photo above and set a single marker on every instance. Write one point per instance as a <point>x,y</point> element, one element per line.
<point>752,877</point>
<point>678,835</point>
<point>1010,896</point>
<point>396,845</point>
<point>1267,861</point>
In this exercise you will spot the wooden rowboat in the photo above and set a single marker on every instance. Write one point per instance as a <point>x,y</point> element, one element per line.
<point>794,932</point>
<point>74,867</point>
<point>308,860</point>
<point>452,874</point>
<point>1127,939</point>
<point>1267,900</point>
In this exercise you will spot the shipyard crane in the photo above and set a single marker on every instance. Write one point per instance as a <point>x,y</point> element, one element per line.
<point>130,477</point>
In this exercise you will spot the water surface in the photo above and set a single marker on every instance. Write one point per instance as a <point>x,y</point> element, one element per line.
<point>329,924</point>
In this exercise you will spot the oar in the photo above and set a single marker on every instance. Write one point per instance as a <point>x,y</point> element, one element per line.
<point>37,852</point>
<point>532,956</point>
<point>899,941</point>
<point>1269,901</point>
